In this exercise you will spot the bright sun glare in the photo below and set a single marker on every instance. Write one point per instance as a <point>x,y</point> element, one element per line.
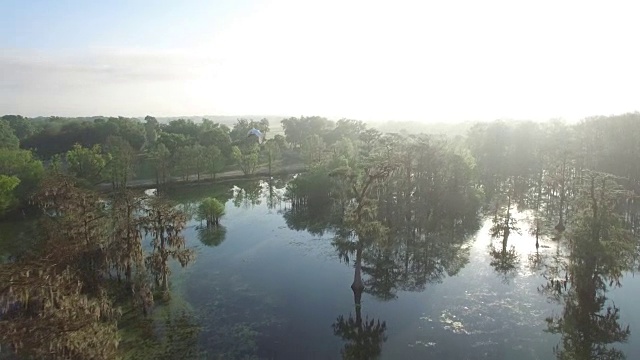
<point>372,60</point>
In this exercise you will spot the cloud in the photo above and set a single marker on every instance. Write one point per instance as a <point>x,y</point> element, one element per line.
<point>106,80</point>
<point>371,60</point>
<point>36,70</point>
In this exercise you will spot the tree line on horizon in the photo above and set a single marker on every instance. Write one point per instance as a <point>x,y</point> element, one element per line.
<point>117,150</point>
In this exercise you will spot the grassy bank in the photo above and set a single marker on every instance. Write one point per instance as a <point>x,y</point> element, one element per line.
<point>220,177</point>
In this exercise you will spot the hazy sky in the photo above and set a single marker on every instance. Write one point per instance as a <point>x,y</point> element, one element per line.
<point>375,60</point>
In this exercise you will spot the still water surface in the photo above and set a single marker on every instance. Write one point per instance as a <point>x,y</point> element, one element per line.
<point>269,291</point>
<point>262,290</point>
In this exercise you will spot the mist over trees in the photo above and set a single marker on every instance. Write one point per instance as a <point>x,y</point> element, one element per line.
<point>539,160</point>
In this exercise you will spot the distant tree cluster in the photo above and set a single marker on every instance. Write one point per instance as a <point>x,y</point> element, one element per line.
<point>118,150</point>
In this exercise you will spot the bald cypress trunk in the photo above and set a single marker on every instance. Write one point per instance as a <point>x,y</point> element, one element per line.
<point>357,284</point>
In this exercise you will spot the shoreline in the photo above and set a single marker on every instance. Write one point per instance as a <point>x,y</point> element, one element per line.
<point>226,176</point>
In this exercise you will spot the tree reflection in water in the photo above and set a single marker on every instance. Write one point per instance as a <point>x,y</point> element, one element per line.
<point>393,253</point>
<point>274,191</point>
<point>600,251</point>
<point>363,338</point>
<point>211,236</point>
<point>504,261</point>
<point>249,195</point>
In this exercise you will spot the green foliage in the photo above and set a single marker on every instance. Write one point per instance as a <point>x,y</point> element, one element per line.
<point>272,152</point>
<point>87,164</point>
<point>164,224</point>
<point>210,210</point>
<point>312,188</point>
<point>296,130</point>
<point>125,254</point>
<point>160,158</point>
<point>22,127</point>
<point>598,231</point>
<point>242,126</point>
<point>313,150</point>
<point>200,159</point>
<point>55,135</point>
<point>190,160</point>
<point>7,197</point>
<point>22,164</point>
<point>281,141</point>
<point>152,129</point>
<point>213,160</point>
<point>173,142</point>
<point>345,129</point>
<point>380,195</point>
<point>218,136</point>
<point>247,159</point>
<point>343,153</point>
<point>182,127</point>
<point>50,137</point>
<point>130,130</point>
<point>8,139</point>
<point>121,166</point>
<point>185,160</point>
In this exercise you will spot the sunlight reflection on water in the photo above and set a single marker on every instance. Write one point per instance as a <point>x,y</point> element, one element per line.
<point>480,311</point>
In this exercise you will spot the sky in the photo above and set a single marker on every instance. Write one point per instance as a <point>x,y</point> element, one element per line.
<point>432,61</point>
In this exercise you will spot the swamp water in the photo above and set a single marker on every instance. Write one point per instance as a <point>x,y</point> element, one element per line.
<point>259,289</point>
